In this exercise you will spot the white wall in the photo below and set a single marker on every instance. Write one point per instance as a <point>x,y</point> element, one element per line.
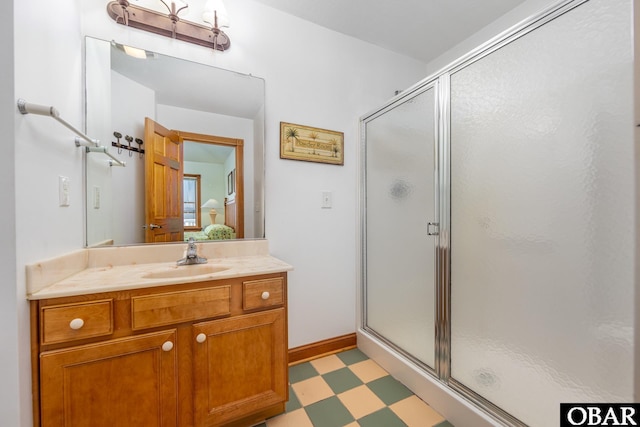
<point>120,216</point>
<point>185,119</point>
<point>333,81</point>
<point>127,184</point>
<point>13,392</point>
<point>48,70</point>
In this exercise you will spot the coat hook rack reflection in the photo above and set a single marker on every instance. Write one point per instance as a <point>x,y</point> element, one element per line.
<point>129,139</point>
<point>120,146</point>
<point>140,150</point>
<point>118,135</point>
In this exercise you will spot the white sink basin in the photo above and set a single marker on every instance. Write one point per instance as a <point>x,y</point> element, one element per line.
<point>185,271</point>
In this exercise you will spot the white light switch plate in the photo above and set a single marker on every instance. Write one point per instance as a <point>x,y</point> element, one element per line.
<point>96,197</point>
<point>326,200</point>
<point>63,190</point>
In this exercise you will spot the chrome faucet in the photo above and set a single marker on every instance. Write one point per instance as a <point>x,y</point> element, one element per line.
<point>192,255</point>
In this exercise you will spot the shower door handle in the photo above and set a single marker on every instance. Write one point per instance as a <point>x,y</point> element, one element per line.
<point>433,228</point>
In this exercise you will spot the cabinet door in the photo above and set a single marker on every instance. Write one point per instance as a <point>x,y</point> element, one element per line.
<point>240,366</point>
<point>123,382</point>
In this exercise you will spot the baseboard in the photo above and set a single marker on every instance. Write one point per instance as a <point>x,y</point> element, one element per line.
<point>322,348</point>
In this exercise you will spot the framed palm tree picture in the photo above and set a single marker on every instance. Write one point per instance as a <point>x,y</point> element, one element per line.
<point>309,144</point>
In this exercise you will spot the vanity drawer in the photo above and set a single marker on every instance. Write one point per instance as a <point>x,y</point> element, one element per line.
<point>262,293</point>
<point>68,322</point>
<point>170,308</point>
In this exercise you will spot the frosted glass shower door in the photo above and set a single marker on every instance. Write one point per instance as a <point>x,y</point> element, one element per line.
<point>542,216</point>
<point>399,289</point>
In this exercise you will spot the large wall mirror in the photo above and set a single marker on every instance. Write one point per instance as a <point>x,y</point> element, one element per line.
<point>192,138</point>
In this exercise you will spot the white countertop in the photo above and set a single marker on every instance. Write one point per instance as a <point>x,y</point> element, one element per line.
<point>85,272</point>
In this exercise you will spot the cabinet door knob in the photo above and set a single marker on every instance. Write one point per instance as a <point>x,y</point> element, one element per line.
<point>265,295</point>
<point>201,338</point>
<point>167,346</point>
<point>76,324</point>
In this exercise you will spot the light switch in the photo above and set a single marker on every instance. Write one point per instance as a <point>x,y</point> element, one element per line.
<point>326,200</point>
<point>63,190</point>
<point>96,197</point>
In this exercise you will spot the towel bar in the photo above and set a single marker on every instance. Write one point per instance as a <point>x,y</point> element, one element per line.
<point>92,144</point>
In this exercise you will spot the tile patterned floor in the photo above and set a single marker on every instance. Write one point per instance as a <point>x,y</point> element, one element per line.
<point>349,390</point>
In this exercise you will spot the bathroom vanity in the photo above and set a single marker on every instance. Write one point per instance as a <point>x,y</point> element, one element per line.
<point>162,346</point>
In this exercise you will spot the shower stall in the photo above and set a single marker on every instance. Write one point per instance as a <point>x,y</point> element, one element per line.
<point>498,223</point>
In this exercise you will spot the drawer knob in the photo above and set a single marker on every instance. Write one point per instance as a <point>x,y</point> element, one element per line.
<point>167,346</point>
<point>201,338</point>
<point>76,324</point>
<point>265,295</point>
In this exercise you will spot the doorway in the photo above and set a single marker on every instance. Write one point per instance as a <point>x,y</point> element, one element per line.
<point>164,173</point>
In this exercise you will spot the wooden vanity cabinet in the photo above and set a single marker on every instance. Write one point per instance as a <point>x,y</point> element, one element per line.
<point>238,366</point>
<point>201,354</point>
<point>131,379</point>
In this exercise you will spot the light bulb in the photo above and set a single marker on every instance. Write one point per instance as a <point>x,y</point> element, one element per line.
<point>213,8</point>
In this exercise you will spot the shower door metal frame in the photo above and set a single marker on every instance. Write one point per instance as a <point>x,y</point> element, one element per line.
<point>443,250</point>
<point>399,100</point>
<point>440,81</point>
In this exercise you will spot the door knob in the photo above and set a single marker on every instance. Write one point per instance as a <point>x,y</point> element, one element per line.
<point>154,226</point>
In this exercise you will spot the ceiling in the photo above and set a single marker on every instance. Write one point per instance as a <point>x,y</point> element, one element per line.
<point>421,29</point>
<point>172,79</point>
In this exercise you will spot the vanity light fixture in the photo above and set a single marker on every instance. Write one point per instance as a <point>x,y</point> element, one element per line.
<point>215,14</point>
<point>170,25</point>
<point>174,10</point>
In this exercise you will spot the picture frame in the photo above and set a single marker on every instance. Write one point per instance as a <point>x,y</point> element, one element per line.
<point>231,182</point>
<point>310,144</point>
